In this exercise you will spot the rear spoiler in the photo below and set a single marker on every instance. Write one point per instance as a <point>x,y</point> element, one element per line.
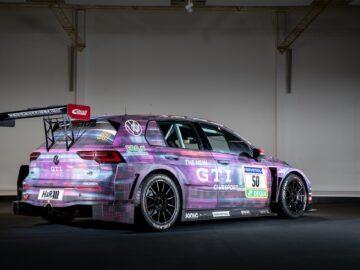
<point>74,111</point>
<point>60,116</point>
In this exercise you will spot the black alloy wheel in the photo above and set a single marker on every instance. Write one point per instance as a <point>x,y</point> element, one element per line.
<point>160,202</point>
<point>293,197</point>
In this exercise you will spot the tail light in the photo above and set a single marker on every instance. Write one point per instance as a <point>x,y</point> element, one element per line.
<point>34,156</point>
<point>89,188</point>
<point>102,156</point>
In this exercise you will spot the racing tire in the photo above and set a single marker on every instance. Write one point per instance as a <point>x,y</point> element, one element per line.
<point>23,173</point>
<point>292,198</point>
<point>58,217</point>
<point>159,202</point>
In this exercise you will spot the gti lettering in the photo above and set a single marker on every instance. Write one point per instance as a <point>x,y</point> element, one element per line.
<point>203,174</point>
<point>56,169</point>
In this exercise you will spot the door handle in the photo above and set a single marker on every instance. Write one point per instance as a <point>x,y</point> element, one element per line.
<point>223,162</point>
<point>172,157</point>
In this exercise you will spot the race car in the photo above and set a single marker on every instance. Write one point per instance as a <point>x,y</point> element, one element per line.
<point>153,169</point>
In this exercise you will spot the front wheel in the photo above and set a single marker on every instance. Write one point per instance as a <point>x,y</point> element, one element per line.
<point>292,197</point>
<point>160,202</point>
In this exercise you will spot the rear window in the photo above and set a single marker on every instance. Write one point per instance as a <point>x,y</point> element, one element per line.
<point>94,132</point>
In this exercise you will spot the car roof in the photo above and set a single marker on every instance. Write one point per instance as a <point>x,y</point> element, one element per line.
<point>120,118</point>
<point>149,117</point>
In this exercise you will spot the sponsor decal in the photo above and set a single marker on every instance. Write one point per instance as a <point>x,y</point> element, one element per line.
<point>51,194</point>
<point>191,215</point>
<point>245,212</point>
<point>35,113</point>
<point>104,136</point>
<point>255,183</point>
<point>203,175</point>
<point>196,162</point>
<point>79,112</point>
<point>221,214</point>
<point>133,127</point>
<point>253,170</point>
<point>264,212</point>
<point>135,148</point>
<point>227,187</point>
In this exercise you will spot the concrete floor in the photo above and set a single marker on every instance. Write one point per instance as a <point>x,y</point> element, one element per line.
<point>326,239</point>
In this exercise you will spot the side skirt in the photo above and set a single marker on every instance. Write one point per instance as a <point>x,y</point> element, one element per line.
<point>209,214</point>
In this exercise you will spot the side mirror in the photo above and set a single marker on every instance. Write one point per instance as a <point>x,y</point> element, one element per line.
<point>258,153</point>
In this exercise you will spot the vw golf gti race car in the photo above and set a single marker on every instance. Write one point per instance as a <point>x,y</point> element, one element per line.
<point>159,168</point>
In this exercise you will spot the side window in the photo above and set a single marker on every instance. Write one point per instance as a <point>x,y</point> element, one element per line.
<point>222,141</point>
<point>189,137</point>
<point>216,138</point>
<point>179,135</point>
<point>237,145</point>
<point>170,134</point>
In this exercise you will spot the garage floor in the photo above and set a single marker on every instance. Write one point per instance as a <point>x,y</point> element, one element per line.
<point>326,239</point>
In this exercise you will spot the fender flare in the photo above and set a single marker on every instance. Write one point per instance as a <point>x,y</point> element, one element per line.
<point>171,172</point>
<point>302,176</point>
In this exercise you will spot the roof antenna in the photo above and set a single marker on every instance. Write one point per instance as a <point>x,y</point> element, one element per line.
<point>125,110</point>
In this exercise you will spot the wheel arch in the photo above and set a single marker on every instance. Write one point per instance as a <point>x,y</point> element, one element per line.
<point>171,175</point>
<point>303,178</point>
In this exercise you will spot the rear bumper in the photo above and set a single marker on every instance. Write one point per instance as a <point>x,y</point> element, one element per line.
<point>26,209</point>
<point>123,212</point>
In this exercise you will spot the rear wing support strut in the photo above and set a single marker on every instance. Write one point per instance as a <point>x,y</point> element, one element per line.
<point>54,118</point>
<point>64,123</point>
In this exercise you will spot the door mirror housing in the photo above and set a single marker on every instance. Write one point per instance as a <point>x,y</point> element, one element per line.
<point>258,153</point>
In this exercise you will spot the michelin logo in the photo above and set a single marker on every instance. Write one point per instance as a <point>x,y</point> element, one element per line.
<point>253,170</point>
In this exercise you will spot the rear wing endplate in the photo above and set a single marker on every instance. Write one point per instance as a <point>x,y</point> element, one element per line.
<point>54,117</point>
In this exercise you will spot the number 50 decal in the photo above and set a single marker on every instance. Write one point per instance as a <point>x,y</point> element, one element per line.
<point>255,183</point>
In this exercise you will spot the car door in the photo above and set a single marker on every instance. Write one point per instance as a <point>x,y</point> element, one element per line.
<point>241,181</point>
<point>185,152</point>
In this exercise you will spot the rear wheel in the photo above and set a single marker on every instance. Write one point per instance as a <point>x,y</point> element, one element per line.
<point>292,197</point>
<point>160,202</point>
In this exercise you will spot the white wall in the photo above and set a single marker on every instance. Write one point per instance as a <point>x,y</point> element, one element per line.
<point>319,122</point>
<point>217,66</point>
<point>33,72</point>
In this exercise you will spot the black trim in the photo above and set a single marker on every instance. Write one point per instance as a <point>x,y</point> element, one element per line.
<point>274,184</point>
<point>25,209</point>
<point>223,213</point>
<point>133,186</point>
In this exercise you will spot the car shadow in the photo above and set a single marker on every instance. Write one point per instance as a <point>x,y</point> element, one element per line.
<point>238,223</point>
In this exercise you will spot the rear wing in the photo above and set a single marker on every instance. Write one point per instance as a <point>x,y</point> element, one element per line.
<point>54,117</point>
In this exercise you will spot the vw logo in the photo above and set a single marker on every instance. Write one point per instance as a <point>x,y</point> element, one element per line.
<point>133,127</point>
<point>56,160</point>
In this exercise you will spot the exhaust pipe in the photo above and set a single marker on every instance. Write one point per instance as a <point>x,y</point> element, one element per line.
<point>50,209</point>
